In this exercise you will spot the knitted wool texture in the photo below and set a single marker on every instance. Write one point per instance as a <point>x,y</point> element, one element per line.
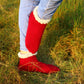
<point>33,38</point>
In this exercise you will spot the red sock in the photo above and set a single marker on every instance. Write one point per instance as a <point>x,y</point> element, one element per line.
<point>33,38</point>
<point>34,34</point>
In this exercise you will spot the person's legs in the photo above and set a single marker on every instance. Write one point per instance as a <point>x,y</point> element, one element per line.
<point>42,14</point>
<point>47,8</point>
<point>37,24</point>
<point>26,6</point>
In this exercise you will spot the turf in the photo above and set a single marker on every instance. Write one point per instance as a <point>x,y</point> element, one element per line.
<point>62,45</point>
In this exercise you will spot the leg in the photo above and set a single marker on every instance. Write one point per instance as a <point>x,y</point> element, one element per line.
<point>26,6</point>
<point>42,14</point>
<point>47,9</point>
<point>37,24</point>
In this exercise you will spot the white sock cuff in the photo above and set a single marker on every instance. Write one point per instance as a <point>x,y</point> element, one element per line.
<point>26,55</point>
<point>42,21</point>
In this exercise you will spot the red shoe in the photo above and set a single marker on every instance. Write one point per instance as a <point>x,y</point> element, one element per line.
<point>31,64</point>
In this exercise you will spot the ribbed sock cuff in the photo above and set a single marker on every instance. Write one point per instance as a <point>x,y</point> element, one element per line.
<point>25,54</point>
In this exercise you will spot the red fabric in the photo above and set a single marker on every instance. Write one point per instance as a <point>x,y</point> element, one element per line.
<point>33,38</point>
<point>34,34</point>
<point>32,64</point>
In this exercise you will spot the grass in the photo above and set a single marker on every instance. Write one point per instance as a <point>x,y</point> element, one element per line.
<point>62,45</point>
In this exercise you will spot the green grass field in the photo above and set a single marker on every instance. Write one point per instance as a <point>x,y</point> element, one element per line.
<point>62,45</point>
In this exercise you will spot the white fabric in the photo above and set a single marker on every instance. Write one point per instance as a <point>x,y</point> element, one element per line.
<point>26,55</point>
